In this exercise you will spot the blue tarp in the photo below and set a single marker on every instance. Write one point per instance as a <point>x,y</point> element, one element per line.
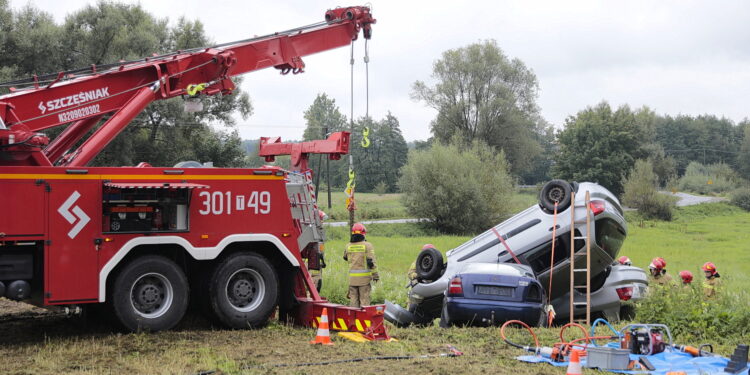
<point>663,362</point>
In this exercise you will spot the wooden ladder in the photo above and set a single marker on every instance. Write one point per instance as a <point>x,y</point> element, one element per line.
<point>578,302</point>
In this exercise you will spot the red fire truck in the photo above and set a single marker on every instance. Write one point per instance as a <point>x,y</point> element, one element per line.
<point>144,240</point>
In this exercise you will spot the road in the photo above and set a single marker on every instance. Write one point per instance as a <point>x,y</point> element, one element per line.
<point>686,199</point>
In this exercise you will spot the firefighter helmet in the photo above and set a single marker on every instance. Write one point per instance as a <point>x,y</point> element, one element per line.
<point>687,277</point>
<point>625,261</point>
<point>428,246</point>
<point>359,228</point>
<point>657,264</point>
<point>709,267</point>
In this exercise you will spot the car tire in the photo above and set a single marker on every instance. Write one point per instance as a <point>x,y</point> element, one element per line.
<point>445,320</point>
<point>151,293</point>
<point>429,264</point>
<point>542,319</point>
<point>555,191</point>
<point>243,291</point>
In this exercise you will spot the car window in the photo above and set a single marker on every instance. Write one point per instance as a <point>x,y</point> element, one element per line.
<point>609,236</point>
<point>539,258</point>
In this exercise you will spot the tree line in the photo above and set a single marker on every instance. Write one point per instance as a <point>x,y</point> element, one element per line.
<point>32,43</point>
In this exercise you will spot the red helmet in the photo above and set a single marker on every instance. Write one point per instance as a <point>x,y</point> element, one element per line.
<point>687,277</point>
<point>709,267</point>
<point>624,260</point>
<point>358,228</point>
<point>658,264</point>
<point>428,246</point>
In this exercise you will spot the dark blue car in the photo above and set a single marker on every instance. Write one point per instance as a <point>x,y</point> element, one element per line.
<point>491,294</point>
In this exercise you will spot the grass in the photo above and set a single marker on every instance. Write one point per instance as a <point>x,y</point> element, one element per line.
<point>716,232</point>
<point>51,345</point>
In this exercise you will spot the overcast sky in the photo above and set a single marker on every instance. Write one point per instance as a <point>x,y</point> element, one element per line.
<point>688,57</point>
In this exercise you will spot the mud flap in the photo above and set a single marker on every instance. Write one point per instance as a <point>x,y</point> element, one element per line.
<point>398,315</point>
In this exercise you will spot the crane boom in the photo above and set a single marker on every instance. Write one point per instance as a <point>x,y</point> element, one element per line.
<point>121,91</point>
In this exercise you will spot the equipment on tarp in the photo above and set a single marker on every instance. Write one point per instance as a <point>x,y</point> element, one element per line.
<point>738,362</point>
<point>645,339</point>
<point>607,358</point>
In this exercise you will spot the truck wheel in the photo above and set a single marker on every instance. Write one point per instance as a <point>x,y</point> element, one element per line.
<point>150,294</point>
<point>429,264</point>
<point>243,291</point>
<point>555,191</point>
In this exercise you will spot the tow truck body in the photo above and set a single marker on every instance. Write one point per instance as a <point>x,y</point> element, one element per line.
<point>145,239</point>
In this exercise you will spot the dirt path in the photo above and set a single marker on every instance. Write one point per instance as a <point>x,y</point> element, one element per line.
<point>686,199</point>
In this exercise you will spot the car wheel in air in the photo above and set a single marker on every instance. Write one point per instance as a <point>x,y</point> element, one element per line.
<point>150,294</point>
<point>243,291</point>
<point>429,264</point>
<point>555,191</point>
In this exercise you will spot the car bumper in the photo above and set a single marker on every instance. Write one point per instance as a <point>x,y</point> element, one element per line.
<point>482,312</point>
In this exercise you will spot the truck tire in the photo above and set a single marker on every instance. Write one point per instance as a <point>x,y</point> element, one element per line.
<point>243,291</point>
<point>429,264</point>
<point>150,294</point>
<point>555,191</point>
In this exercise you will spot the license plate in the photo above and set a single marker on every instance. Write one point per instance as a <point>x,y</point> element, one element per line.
<point>491,290</point>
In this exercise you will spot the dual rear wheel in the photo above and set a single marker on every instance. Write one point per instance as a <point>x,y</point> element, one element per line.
<point>151,292</point>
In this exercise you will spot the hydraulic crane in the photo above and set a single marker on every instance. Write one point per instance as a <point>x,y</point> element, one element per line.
<point>145,240</point>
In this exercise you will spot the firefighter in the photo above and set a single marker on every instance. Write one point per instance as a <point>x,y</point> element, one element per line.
<point>412,274</point>
<point>625,261</point>
<point>712,281</point>
<point>687,278</point>
<point>362,267</point>
<point>658,273</point>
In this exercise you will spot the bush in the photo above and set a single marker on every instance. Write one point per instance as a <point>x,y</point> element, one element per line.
<point>741,198</point>
<point>381,188</point>
<point>459,190</point>
<point>709,179</point>
<point>640,191</point>
<point>691,318</point>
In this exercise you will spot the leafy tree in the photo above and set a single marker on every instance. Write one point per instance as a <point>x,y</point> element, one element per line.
<point>640,191</point>
<point>743,158</point>
<point>599,145</point>
<point>380,162</point>
<point>163,133</point>
<point>453,187</point>
<point>482,94</point>
<point>321,115</point>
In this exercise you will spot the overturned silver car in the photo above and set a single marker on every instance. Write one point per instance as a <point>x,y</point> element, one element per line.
<point>527,238</point>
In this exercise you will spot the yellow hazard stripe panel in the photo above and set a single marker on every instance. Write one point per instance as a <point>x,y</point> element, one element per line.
<point>359,325</point>
<point>179,177</point>
<point>342,324</point>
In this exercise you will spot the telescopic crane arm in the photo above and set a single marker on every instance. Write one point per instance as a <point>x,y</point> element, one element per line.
<point>119,92</point>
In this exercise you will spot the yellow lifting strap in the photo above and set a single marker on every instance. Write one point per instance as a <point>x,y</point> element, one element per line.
<point>193,89</point>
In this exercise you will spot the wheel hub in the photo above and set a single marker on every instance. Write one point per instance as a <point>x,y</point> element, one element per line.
<point>151,295</point>
<point>426,263</point>
<point>556,194</point>
<point>245,289</point>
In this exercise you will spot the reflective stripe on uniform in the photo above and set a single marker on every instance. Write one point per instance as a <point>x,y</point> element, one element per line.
<point>356,248</point>
<point>355,273</point>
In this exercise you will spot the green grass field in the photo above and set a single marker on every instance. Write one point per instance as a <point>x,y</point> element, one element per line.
<point>53,344</point>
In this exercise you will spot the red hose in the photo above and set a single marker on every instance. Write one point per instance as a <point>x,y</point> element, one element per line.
<point>502,333</point>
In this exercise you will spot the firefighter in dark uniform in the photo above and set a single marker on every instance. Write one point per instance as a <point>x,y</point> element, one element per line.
<point>362,267</point>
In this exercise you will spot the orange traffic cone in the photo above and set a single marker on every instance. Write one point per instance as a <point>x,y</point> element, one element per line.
<point>323,336</point>
<point>574,367</point>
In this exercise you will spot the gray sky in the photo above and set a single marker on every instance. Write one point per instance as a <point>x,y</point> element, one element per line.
<point>678,57</point>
